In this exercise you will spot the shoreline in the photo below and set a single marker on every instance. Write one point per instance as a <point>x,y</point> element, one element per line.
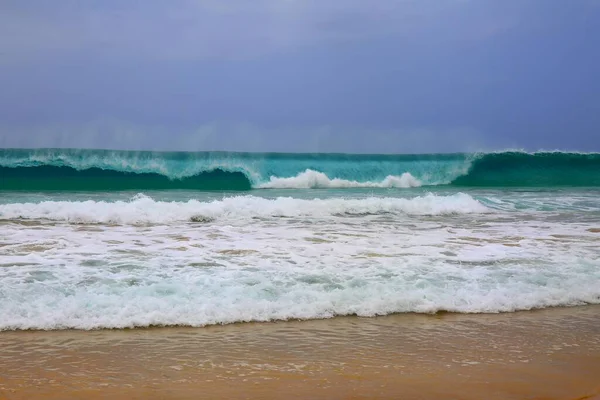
<point>436,314</point>
<point>547,354</point>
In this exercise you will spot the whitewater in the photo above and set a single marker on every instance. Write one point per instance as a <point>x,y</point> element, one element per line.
<point>102,239</point>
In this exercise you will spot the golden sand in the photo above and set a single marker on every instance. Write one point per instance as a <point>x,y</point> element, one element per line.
<point>548,354</point>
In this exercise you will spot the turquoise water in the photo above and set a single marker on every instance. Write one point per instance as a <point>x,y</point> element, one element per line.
<point>72,170</point>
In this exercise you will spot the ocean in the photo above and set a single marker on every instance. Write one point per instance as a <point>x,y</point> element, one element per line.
<point>115,239</point>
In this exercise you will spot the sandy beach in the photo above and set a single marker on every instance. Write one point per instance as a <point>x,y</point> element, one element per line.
<point>546,354</point>
<point>277,199</point>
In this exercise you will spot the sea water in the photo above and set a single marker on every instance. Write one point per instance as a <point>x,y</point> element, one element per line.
<point>107,239</point>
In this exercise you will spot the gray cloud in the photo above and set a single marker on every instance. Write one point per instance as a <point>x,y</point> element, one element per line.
<point>300,75</point>
<point>191,29</point>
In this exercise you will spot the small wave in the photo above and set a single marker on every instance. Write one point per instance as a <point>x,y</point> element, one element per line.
<point>144,210</point>
<point>202,303</point>
<point>310,179</point>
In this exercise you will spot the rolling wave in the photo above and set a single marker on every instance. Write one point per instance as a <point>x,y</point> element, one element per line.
<point>145,210</point>
<point>87,170</point>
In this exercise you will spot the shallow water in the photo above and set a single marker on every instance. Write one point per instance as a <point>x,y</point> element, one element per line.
<point>547,354</point>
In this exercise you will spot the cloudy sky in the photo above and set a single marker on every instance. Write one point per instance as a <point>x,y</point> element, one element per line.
<point>301,75</point>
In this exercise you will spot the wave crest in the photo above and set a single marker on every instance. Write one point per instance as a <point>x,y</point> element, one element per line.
<point>310,179</point>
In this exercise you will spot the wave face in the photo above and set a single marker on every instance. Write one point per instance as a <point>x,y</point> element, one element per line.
<point>88,170</point>
<point>47,177</point>
<point>533,170</point>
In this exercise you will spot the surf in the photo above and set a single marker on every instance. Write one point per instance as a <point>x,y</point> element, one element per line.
<point>141,209</point>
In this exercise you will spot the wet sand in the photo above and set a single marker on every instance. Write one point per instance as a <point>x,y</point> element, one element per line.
<point>546,354</point>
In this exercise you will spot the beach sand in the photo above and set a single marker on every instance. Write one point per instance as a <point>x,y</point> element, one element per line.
<point>546,354</point>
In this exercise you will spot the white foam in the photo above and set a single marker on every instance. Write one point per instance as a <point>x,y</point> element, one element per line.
<point>310,179</point>
<point>124,276</point>
<point>143,209</point>
<point>204,300</point>
<point>421,254</point>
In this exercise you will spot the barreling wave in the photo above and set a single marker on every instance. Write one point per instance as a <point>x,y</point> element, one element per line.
<point>88,170</point>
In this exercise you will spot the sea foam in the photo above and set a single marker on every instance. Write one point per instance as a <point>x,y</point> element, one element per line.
<point>94,282</point>
<point>259,259</point>
<point>310,179</point>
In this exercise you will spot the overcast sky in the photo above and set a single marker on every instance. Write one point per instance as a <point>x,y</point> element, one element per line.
<point>301,75</point>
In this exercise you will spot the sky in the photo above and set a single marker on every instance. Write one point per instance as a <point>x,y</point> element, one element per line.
<point>379,76</point>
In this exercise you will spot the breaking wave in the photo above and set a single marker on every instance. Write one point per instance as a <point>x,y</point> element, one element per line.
<point>145,210</point>
<point>88,170</point>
